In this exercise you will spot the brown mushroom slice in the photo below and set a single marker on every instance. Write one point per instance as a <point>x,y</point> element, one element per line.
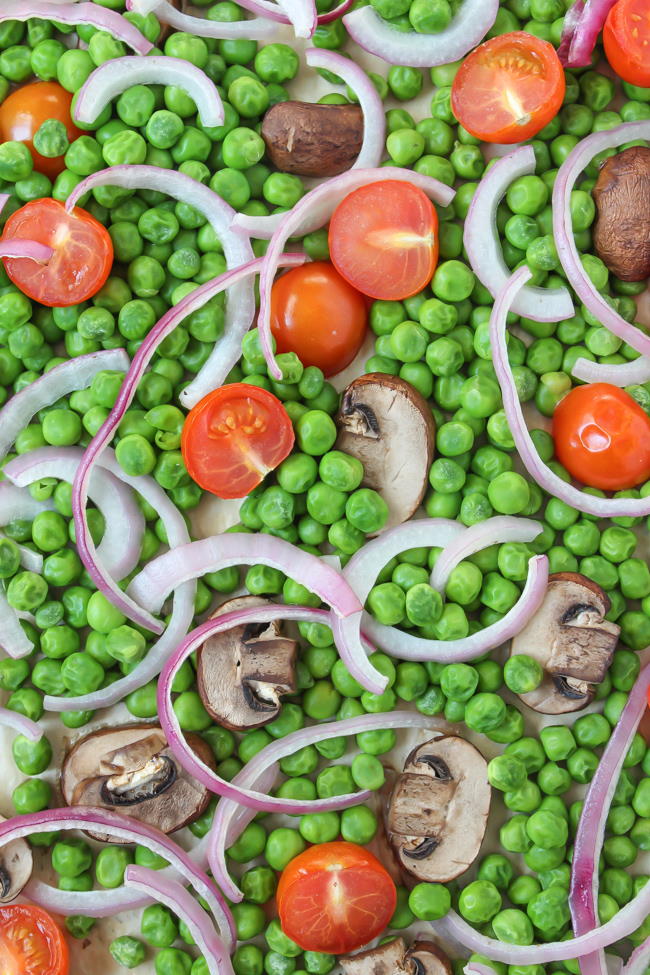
<point>426,958</point>
<point>393,958</point>
<point>438,811</point>
<point>16,865</point>
<point>388,425</point>
<point>572,641</point>
<point>243,673</point>
<point>622,228</point>
<point>133,771</point>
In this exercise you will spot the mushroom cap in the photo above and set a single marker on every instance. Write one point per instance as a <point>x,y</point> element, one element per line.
<point>393,958</point>
<point>572,641</point>
<point>132,770</point>
<point>622,229</point>
<point>16,865</point>
<point>388,426</point>
<point>439,808</point>
<point>242,674</point>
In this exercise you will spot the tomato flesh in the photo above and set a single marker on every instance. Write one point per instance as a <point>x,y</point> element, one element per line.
<point>509,88</point>
<point>82,258</point>
<point>31,943</point>
<point>335,897</point>
<point>233,437</point>
<point>23,112</point>
<point>626,37</point>
<point>383,239</point>
<point>602,437</point>
<point>319,316</point>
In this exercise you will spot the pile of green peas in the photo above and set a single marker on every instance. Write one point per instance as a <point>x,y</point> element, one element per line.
<point>438,342</point>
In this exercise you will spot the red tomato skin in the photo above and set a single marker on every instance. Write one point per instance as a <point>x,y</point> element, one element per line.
<point>629,55</point>
<point>335,897</point>
<point>473,77</point>
<point>383,211</point>
<point>231,459</point>
<point>319,316</point>
<point>23,111</point>
<point>27,928</point>
<point>82,259</point>
<point>602,437</point>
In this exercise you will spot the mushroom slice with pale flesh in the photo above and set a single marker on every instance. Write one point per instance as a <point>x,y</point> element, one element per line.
<point>439,808</point>
<point>572,641</point>
<point>16,865</point>
<point>388,426</point>
<point>243,673</point>
<point>393,958</point>
<point>133,771</point>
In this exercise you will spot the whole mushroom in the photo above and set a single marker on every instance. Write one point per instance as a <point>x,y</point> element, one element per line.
<point>309,139</point>
<point>133,771</point>
<point>438,811</point>
<point>243,673</point>
<point>572,641</point>
<point>388,426</point>
<point>622,228</point>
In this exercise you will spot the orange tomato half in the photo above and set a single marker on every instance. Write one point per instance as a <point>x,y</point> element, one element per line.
<point>233,437</point>
<point>509,88</point>
<point>626,37</point>
<point>24,111</point>
<point>335,897</point>
<point>31,943</point>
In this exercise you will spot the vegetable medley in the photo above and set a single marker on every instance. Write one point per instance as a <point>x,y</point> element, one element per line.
<point>394,719</point>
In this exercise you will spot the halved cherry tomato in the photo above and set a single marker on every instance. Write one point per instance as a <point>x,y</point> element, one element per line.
<point>626,37</point>
<point>233,437</point>
<point>31,943</point>
<point>644,727</point>
<point>82,259</point>
<point>22,113</point>
<point>602,437</point>
<point>335,897</point>
<point>509,88</point>
<point>383,239</point>
<point>317,315</point>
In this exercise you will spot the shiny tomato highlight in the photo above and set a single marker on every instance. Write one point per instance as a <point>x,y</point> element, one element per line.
<point>335,897</point>
<point>23,112</point>
<point>383,239</point>
<point>602,437</point>
<point>509,88</point>
<point>31,943</point>
<point>82,259</point>
<point>319,316</point>
<point>626,37</point>
<point>233,437</point>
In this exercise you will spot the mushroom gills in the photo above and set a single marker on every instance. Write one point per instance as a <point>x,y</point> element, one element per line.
<point>394,958</point>
<point>154,778</point>
<point>16,866</point>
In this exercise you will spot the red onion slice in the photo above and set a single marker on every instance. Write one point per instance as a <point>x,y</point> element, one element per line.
<point>468,28</point>
<point>302,15</point>
<point>263,226</point>
<point>633,373</point>
<point>638,960</point>
<point>374,120</point>
<point>240,303</point>
<point>132,831</point>
<point>190,760</point>
<point>13,639</point>
<point>228,815</point>
<point>26,248</point>
<point>17,504</point>
<point>177,899</point>
<point>29,559</point>
<point>484,248</point>
<point>74,14</point>
<point>256,29</point>
<point>182,607</point>
<point>113,77</point>
<point>538,470</point>
<point>628,919</point>
<point>582,25</point>
<point>312,212</point>
<point>120,546</point>
<point>51,386</point>
<point>20,724</point>
<point>567,251</point>
<point>492,531</point>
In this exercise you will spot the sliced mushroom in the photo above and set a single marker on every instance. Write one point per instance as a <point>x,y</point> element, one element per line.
<point>132,770</point>
<point>393,958</point>
<point>16,865</point>
<point>573,642</point>
<point>439,808</point>
<point>388,425</point>
<point>243,673</point>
